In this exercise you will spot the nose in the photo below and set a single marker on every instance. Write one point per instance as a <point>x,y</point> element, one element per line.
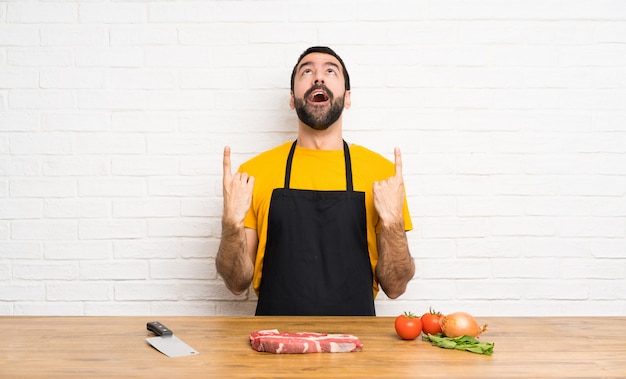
<point>319,78</point>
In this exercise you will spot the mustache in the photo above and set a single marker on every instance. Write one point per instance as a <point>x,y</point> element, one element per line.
<point>318,87</point>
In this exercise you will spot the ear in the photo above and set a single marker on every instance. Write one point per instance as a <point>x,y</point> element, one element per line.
<point>347,101</point>
<point>292,104</point>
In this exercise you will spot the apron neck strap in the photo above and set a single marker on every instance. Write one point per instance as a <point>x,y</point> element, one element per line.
<point>346,156</point>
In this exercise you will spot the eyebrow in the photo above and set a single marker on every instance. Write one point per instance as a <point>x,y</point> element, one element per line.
<point>310,63</point>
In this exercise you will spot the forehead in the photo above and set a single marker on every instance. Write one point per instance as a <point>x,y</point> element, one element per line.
<point>319,59</point>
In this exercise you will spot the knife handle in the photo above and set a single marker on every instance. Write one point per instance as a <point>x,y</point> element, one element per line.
<point>159,329</point>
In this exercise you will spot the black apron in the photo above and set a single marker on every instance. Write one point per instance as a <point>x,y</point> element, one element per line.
<point>316,258</point>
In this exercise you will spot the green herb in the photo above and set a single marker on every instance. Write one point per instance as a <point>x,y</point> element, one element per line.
<point>466,343</point>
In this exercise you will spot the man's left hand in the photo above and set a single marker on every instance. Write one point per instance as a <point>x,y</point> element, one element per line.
<point>389,194</point>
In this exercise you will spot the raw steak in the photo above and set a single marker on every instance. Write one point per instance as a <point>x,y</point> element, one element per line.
<point>272,341</point>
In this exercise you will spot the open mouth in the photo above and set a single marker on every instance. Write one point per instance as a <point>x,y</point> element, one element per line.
<point>318,96</point>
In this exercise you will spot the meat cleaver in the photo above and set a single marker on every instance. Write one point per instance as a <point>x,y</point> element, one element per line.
<point>167,343</point>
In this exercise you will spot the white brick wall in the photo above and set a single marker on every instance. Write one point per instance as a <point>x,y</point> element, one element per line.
<point>511,115</point>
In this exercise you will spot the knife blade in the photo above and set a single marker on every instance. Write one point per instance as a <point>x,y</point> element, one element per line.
<point>167,343</point>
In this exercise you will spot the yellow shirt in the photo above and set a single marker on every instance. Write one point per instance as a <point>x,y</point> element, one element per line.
<point>321,170</point>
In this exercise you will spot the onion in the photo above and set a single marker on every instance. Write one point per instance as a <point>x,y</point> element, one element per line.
<point>461,324</point>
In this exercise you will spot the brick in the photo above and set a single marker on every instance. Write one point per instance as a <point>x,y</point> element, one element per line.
<point>48,309</point>
<point>146,291</point>
<point>489,164</point>
<point>198,248</point>
<point>146,208</point>
<point>557,206</point>
<point>454,228</point>
<point>19,121</point>
<point>110,308</point>
<point>604,269</point>
<point>201,207</point>
<point>501,247</point>
<point>83,35</point>
<point>96,13</point>
<point>178,186</point>
<point>40,57</point>
<point>455,185</point>
<point>551,247</point>
<point>224,34</point>
<point>44,271</point>
<point>153,122</point>
<point>77,250</point>
<point>481,77</point>
<point>33,230</point>
<point>182,269</point>
<point>75,121</point>
<point>95,56</point>
<point>491,206</point>
<point>118,270</point>
<point>142,79</point>
<point>78,291</point>
<point>93,99</point>
<point>193,99</point>
<point>41,99</point>
<point>191,308</point>
<point>523,226</point>
<point>500,289</point>
<point>35,13</point>
<point>188,227</point>
<point>540,268</point>
<point>144,166</point>
<point>22,292</point>
<point>20,209</point>
<point>111,229</point>
<point>458,269</point>
<point>556,290</point>
<point>112,187</point>
<point>21,79</point>
<point>178,57</point>
<point>73,166</point>
<point>20,250</point>
<point>178,144</point>
<point>41,143</point>
<point>76,208</point>
<point>148,249</point>
<point>71,78</point>
<point>608,207</point>
<point>611,227</point>
<point>215,79</point>
<point>61,187</point>
<point>110,143</point>
<point>143,35</point>
<point>19,35</point>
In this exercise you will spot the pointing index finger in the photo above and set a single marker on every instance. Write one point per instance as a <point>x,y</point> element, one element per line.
<point>226,161</point>
<point>398,161</point>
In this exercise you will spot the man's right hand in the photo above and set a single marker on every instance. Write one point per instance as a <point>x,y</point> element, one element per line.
<point>237,192</point>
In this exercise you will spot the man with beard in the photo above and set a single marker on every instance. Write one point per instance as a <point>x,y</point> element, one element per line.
<point>316,225</point>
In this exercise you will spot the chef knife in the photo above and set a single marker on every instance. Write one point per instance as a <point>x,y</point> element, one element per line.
<point>167,343</point>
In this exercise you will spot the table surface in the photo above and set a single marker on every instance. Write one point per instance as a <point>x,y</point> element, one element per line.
<point>92,347</point>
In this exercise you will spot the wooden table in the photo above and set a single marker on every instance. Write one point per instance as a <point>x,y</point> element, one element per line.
<point>115,347</point>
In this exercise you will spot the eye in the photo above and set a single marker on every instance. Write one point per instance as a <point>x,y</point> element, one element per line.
<point>330,71</point>
<point>307,71</point>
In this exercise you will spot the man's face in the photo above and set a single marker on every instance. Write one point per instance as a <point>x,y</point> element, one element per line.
<point>319,94</point>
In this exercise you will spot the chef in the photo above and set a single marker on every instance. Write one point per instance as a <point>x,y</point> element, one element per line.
<point>317,225</point>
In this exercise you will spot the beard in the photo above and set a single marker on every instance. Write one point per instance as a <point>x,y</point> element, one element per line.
<point>317,116</point>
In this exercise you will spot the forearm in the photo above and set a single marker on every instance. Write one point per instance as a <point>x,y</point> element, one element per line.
<point>233,262</point>
<point>395,266</point>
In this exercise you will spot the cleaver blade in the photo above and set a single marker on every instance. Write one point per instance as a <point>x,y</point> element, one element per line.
<point>167,343</point>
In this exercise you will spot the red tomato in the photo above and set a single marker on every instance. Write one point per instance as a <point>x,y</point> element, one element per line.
<point>431,322</point>
<point>408,326</point>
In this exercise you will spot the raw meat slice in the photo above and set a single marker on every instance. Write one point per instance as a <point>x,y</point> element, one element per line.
<point>273,341</point>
